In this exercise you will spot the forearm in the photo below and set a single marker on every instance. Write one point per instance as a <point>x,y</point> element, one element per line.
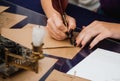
<point>48,8</point>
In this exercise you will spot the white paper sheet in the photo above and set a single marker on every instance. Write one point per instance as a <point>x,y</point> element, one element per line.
<point>100,65</point>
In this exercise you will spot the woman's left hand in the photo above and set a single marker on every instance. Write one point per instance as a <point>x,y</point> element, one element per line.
<point>98,30</point>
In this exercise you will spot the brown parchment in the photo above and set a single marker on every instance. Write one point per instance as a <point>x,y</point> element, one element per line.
<point>3,8</point>
<point>68,53</point>
<point>60,48</point>
<point>21,36</point>
<point>56,48</point>
<point>8,20</point>
<point>50,42</point>
<point>60,76</point>
<point>29,25</point>
<point>44,65</point>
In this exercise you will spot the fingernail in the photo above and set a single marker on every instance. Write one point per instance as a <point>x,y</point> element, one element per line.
<point>75,43</point>
<point>80,45</point>
<point>67,33</point>
<point>90,47</point>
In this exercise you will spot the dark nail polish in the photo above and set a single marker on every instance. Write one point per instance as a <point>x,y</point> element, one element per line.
<point>67,33</point>
<point>80,45</point>
<point>89,47</point>
<point>75,43</point>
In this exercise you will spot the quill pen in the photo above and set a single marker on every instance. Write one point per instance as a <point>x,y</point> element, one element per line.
<point>60,6</point>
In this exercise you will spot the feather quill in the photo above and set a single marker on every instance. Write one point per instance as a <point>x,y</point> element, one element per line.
<point>60,6</point>
<point>38,35</point>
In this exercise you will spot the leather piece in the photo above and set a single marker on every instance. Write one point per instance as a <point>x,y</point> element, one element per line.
<point>68,53</point>
<point>7,20</point>
<point>3,8</point>
<point>21,36</point>
<point>60,76</point>
<point>24,37</point>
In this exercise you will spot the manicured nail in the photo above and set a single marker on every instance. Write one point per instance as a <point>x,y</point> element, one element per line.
<point>75,43</point>
<point>90,47</point>
<point>67,34</point>
<point>80,45</point>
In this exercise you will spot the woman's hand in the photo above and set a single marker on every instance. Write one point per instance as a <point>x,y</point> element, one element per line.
<point>57,29</point>
<point>98,31</point>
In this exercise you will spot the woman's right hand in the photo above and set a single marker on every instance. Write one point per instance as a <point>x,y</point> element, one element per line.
<point>57,29</point>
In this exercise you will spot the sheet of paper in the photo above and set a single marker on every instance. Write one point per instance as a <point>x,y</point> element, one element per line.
<point>3,8</point>
<point>44,65</point>
<point>59,76</point>
<point>100,65</point>
<point>8,20</point>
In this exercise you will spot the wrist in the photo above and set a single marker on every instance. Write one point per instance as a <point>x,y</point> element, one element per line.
<point>52,14</point>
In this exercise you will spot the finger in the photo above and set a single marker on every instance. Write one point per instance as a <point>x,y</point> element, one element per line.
<point>89,35</point>
<point>51,27</point>
<point>79,39</point>
<point>97,39</point>
<point>86,39</point>
<point>54,32</point>
<point>51,33</point>
<point>71,23</point>
<point>85,36</point>
<point>59,24</point>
